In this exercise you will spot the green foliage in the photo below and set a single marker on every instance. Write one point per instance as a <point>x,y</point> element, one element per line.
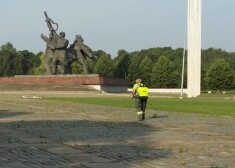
<point>163,75</point>
<point>77,68</point>
<point>146,71</point>
<point>40,70</point>
<point>220,75</point>
<point>231,60</point>
<point>211,55</point>
<point>121,63</point>
<point>30,61</point>
<point>134,71</point>
<point>10,61</point>
<point>175,56</point>
<point>91,66</point>
<point>104,66</point>
<point>203,78</point>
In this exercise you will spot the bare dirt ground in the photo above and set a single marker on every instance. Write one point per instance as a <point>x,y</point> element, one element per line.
<point>35,132</point>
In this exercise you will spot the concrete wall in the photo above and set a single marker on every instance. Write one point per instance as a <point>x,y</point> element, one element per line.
<point>110,89</point>
<point>105,84</point>
<point>90,79</point>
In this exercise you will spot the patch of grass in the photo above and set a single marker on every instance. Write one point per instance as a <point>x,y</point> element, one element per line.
<point>204,106</point>
<point>214,106</point>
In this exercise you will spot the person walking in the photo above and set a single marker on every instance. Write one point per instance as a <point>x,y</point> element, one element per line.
<point>140,93</point>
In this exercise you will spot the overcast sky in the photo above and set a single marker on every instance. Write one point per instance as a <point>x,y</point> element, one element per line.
<point>111,25</point>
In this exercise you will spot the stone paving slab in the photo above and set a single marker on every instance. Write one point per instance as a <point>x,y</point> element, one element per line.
<point>106,165</point>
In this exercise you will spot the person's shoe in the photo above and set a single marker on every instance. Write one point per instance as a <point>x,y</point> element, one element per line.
<point>139,113</point>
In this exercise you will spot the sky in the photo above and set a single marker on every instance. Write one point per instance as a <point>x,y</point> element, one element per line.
<point>111,25</point>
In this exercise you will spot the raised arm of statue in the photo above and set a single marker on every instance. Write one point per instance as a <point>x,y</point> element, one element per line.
<point>53,36</point>
<point>49,22</point>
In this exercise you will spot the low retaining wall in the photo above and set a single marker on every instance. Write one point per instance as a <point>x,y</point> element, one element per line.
<point>106,84</point>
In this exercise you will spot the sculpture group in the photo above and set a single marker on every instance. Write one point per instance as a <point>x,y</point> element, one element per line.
<point>58,56</point>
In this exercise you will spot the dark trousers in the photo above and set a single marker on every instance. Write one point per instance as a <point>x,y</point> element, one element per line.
<point>140,105</point>
<point>143,104</point>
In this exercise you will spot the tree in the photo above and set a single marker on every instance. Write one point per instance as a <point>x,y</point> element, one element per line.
<point>203,78</point>
<point>91,64</point>
<point>29,62</point>
<point>146,71</point>
<point>40,70</point>
<point>77,68</point>
<point>220,75</point>
<point>10,61</point>
<point>133,68</point>
<point>121,63</point>
<point>163,74</point>
<point>104,65</point>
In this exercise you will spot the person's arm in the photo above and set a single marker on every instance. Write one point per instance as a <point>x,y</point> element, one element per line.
<point>134,90</point>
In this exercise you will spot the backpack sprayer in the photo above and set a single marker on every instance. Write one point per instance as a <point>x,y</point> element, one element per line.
<point>143,93</point>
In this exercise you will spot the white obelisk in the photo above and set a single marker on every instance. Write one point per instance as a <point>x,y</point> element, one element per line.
<point>194,48</point>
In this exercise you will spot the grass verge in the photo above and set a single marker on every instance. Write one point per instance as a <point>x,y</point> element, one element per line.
<point>201,105</point>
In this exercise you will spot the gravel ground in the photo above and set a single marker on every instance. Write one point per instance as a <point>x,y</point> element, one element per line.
<point>35,132</point>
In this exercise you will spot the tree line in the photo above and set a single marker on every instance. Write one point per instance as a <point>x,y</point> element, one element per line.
<point>159,67</point>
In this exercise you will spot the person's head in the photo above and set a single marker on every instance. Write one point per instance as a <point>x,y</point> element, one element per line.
<point>138,80</point>
<point>62,34</point>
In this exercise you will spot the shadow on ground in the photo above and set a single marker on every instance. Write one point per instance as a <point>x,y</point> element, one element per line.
<point>7,113</point>
<point>121,142</point>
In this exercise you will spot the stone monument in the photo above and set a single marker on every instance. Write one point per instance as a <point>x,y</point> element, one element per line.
<point>58,58</point>
<point>80,52</point>
<point>194,48</point>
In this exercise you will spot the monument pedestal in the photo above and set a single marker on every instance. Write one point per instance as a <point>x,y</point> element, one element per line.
<point>105,84</point>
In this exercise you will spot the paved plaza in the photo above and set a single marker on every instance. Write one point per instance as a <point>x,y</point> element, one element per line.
<point>39,133</point>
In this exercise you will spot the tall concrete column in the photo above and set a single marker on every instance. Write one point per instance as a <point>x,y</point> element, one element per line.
<point>194,48</point>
